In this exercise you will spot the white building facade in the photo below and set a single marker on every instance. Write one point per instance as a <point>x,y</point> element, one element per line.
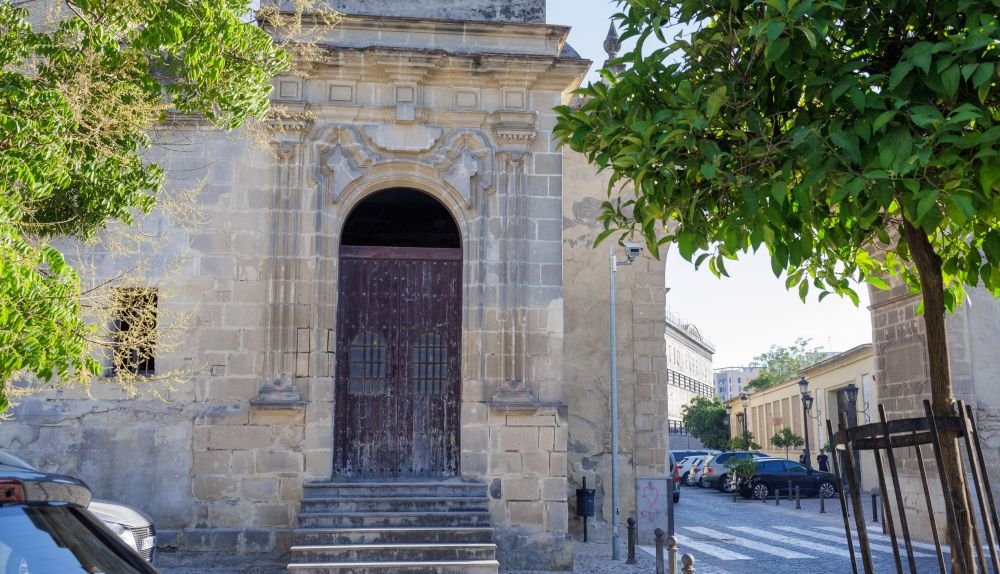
<point>689,374</point>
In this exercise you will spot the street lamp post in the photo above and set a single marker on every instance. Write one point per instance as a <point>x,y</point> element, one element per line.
<point>729,416</point>
<point>807,402</point>
<point>632,251</point>
<point>746,404</point>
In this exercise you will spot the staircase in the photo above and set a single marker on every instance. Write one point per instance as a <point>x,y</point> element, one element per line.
<point>388,527</point>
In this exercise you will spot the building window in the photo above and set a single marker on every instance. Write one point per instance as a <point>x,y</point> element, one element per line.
<point>367,365</point>
<point>134,341</point>
<point>429,365</point>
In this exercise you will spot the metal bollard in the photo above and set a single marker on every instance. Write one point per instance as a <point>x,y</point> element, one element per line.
<point>672,554</point>
<point>874,507</point>
<point>658,534</point>
<point>798,504</point>
<point>630,525</point>
<point>688,562</point>
<point>777,496</point>
<point>822,504</point>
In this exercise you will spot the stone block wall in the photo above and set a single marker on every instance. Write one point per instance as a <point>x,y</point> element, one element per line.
<point>643,391</point>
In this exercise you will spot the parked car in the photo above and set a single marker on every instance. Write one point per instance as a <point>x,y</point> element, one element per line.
<point>775,473</point>
<point>714,473</point>
<point>131,525</point>
<point>684,467</point>
<point>45,528</point>
<point>694,474</point>
<point>682,454</point>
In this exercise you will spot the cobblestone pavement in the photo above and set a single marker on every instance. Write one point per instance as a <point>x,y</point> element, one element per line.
<point>725,536</point>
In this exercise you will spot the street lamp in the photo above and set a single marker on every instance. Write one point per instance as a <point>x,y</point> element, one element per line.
<point>632,250</point>
<point>852,401</point>
<point>807,402</point>
<point>745,399</point>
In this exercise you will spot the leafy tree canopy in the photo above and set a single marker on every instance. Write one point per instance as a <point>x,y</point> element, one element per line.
<point>787,439</point>
<point>739,443</point>
<point>705,419</point>
<point>851,140</point>
<point>780,364</point>
<point>78,97</point>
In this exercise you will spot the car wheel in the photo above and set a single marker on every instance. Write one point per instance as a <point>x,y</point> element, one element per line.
<point>677,498</point>
<point>702,483</point>
<point>684,478</point>
<point>827,489</point>
<point>726,484</point>
<point>760,491</point>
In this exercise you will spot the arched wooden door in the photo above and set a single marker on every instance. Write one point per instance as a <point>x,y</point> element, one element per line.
<point>398,395</point>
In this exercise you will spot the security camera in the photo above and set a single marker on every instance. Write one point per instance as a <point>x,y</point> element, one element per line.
<point>633,250</point>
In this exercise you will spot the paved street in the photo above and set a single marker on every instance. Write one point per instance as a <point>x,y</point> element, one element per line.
<point>752,537</point>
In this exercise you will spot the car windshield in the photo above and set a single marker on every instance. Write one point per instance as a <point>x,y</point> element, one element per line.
<point>57,540</point>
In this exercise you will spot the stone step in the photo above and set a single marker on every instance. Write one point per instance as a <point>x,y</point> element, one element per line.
<point>396,504</point>
<point>393,553</point>
<point>452,567</point>
<point>319,536</point>
<point>393,489</point>
<point>392,519</point>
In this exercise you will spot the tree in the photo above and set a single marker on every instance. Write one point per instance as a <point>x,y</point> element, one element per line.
<point>705,418</point>
<point>739,443</point>
<point>79,97</point>
<point>853,141</point>
<point>782,363</point>
<point>787,439</point>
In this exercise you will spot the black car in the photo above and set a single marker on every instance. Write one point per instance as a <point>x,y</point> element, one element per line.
<point>46,529</point>
<point>775,473</point>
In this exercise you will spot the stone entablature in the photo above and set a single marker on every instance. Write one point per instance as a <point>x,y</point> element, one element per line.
<point>486,10</point>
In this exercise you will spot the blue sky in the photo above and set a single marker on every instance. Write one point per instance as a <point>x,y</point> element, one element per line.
<point>744,314</point>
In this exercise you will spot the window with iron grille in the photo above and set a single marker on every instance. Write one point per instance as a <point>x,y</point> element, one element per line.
<point>687,383</point>
<point>367,365</point>
<point>429,365</point>
<point>134,330</point>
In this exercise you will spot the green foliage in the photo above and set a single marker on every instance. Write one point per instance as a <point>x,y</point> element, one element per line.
<point>77,99</point>
<point>740,469</point>
<point>787,439</point>
<point>738,443</point>
<point>705,419</point>
<point>782,363</point>
<point>816,129</point>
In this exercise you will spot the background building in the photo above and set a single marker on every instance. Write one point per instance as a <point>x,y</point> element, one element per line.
<point>689,374</point>
<point>781,406</point>
<point>403,285</point>
<point>729,381</point>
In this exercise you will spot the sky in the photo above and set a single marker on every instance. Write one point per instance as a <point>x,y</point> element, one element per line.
<point>746,313</point>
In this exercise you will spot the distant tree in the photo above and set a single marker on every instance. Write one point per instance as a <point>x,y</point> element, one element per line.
<point>787,439</point>
<point>737,442</point>
<point>779,364</point>
<point>705,418</point>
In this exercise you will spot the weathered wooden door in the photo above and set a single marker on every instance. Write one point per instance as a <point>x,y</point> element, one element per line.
<point>398,395</point>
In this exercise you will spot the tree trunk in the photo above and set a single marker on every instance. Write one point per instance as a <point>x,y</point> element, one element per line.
<point>928,265</point>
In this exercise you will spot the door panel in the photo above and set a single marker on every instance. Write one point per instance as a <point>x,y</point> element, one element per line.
<point>398,370</point>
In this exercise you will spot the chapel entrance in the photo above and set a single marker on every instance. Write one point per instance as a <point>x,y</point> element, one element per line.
<point>399,312</point>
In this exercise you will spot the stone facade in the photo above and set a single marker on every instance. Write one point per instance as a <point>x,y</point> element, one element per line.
<point>403,96</point>
<point>903,381</point>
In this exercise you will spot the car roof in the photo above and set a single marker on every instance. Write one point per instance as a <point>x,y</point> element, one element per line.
<point>44,487</point>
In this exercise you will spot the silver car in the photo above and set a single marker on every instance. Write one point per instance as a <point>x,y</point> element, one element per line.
<point>132,526</point>
<point>685,466</point>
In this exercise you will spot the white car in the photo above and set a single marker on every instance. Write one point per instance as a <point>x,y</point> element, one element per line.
<point>132,526</point>
<point>685,466</point>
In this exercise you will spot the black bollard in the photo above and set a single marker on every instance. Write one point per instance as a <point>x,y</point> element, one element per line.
<point>659,535</point>
<point>874,507</point>
<point>777,496</point>
<point>798,504</point>
<point>822,504</point>
<point>630,525</point>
